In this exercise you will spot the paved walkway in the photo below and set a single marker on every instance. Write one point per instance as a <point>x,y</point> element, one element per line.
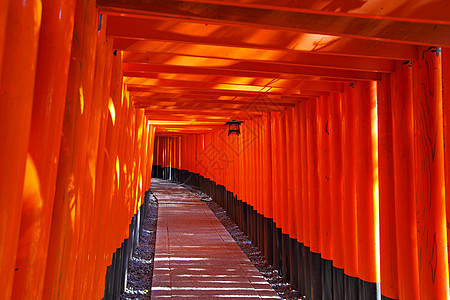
<point>195,257</point>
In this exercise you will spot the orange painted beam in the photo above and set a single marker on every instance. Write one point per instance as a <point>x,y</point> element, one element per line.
<point>137,77</point>
<point>250,66</point>
<point>217,91</point>
<point>193,32</point>
<point>257,55</point>
<point>317,22</point>
<point>196,107</point>
<point>209,106</point>
<point>429,176</point>
<point>191,102</point>
<point>405,204</point>
<point>202,84</point>
<point>427,11</point>
<point>134,62</point>
<point>260,98</point>
<point>200,112</point>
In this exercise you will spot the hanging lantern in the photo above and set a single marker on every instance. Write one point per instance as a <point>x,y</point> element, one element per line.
<point>233,127</point>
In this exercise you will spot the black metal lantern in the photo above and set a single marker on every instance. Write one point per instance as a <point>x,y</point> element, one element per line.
<point>233,127</point>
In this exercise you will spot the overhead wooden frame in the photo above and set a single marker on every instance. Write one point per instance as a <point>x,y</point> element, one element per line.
<point>202,60</point>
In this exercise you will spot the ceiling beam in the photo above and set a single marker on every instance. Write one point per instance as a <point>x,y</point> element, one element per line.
<point>231,36</point>
<point>242,54</point>
<point>214,97</point>
<point>204,84</point>
<point>187,91</point>
<point>193,119</point>
<point>423,11</point>
<point>261,67</point>
<point>266,82</point>
<point>193,113</point>
<point>212,103</point>
<point>139,64</point>
<point>194,109</point>
<point>312,22</point>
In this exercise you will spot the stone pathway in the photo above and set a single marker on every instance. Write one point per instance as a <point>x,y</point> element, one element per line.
<point>195,257</point>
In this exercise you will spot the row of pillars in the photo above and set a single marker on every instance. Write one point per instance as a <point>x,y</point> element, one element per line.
<point>359,176</point>
<point>74,157</point>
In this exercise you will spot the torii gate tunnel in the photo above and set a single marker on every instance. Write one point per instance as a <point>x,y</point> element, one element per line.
<point>340,173</point>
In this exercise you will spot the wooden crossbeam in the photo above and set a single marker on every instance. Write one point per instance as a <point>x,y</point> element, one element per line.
<point>135,77</point>
<point>205,84</point>
<point>242,54</point>
<point>427,11</point>
<point>230,36</point>
<point>212,103</point>
<point>261,67</point>
<point>138,64</point>
<point>214,98</point>
<point>411,32</point>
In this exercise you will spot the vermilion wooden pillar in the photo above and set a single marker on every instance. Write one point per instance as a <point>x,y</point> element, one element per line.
<point>275,166</point>
<point>446,105</point>
<point>282,169</point>
<point>290,258</point>
<point>3,18</point>
<point>109,165</point>
<point>313,176</point>
<point>20,39</point>
<point>297,164</point>
<point>312,112</point>
<point>267,184</point>
<point>63,246</point>
<point>405,204</point>
<point>324,174</point>
<point>388,248</point>
<point>99,103</point>
<point>349,189</point>
<point>45,137</point>
<point>260,174</point>
<point>290,169</point>
<point>99,178</point>
<point>366,186</point>
<point>336,198</point>
<point>275,187</point>
<point>305,177</point>
<point>251,158</point>
<point>429,175</point>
